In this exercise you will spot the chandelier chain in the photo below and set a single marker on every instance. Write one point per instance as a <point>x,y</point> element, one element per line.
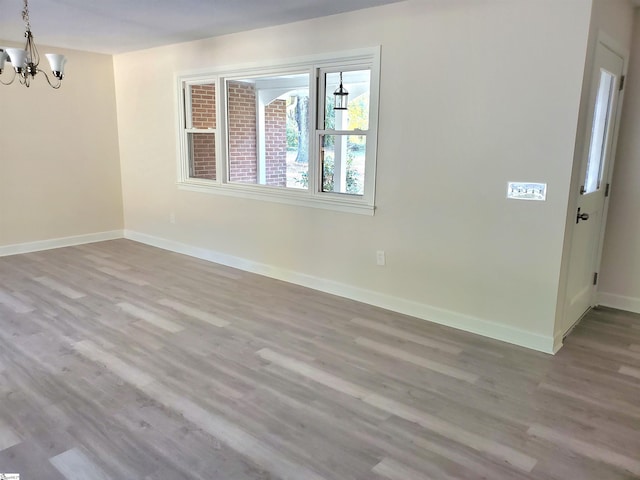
<point>25,15</point>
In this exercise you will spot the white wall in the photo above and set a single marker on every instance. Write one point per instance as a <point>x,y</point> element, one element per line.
<point>491,94</point>
<point>620,279</point>
<point>59,159</point>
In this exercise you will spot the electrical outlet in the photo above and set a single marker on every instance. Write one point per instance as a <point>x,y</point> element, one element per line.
<point>380,258</point>
<point>172,218</point>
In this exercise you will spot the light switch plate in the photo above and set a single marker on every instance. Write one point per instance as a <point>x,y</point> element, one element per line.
<point>527,191</point>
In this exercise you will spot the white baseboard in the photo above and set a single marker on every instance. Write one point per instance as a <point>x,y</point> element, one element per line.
<point>629,304</point>
<point>449,318</point>
<point>59,242</point>
<point>557,342</point>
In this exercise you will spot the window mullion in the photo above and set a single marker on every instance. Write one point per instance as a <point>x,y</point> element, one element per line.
<point>188,123</point>
<point>315,110</point>
<point>222,162</point>
<point>201,130</point>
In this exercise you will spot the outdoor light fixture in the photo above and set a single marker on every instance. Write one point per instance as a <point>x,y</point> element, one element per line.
<point>341,96</point>
<point>25,61</point>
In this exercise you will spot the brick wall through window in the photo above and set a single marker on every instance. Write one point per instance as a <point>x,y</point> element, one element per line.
<point>276,143</point>
<point>243,165</point>
<point>242,131</point>
<point>203,145</point>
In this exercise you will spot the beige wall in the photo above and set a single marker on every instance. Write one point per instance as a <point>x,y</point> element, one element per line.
<point>59,159</point>
<point>491,93</point>
<point>620,280</point>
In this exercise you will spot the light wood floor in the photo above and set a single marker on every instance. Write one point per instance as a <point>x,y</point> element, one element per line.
<point>121,361</point>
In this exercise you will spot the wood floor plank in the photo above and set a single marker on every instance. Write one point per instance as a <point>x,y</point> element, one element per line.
<point>27,460</point>
<point>404,335</point>
<point>416,360</point>
<point>470,463</point>
<point>75,465</point>
<point>236,438</point>
<point>105,262</point>
<point>14,304</point>
<point>8,437</point>
<point>150,317</point>
<point>389,468</point>
<point>586,449</point>
<point>610,350</point>
<point>124,370</point>
<point>446,429</point>
<point>60,287</point>
<point>194,312</point>
<point>210,422</point>
<point>630,371</point>
<point>511,456</point>
<point>125,277</point>
<point>317,375</point>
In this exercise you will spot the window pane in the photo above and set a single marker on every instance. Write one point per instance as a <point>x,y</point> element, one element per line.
<point>599,131</point>
<point>202,155</point>
<point>203,106</point>
<point>268,129</point>
<point>358,84</point>
<point>343,163</point>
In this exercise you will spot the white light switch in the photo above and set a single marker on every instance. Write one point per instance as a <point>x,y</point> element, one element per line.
<point>527,191</point>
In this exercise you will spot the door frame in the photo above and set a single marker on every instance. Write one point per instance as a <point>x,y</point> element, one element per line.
<point>574,192</point>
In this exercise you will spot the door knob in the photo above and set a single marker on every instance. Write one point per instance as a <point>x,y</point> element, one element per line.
<point>581,216</point>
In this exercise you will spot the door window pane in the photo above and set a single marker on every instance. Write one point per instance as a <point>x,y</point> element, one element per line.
<point>599,132</point>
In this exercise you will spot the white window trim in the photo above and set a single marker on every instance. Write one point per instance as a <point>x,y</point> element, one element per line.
<point>311,197</point>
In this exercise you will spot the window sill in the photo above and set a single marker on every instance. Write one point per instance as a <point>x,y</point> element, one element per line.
<point>277,195</point>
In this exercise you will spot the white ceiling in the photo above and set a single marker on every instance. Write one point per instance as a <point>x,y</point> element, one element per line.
<point>116,26</point>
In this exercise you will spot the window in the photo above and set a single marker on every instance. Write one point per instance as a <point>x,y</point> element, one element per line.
<point>200,130</point>
<point>268,130</point>
<point>343,133</point>
<point>271,132</point>
<point>599,132</point>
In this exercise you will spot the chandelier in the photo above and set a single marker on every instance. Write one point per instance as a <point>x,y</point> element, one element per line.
<point>26,61</point>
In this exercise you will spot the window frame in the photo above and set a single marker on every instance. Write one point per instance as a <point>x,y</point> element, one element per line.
<point>369,134</point>
<point>185,128</point>
<point>313,196</point>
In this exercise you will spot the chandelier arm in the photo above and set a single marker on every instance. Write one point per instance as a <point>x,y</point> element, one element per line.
<point>10,81</point>
<point>52,85</point>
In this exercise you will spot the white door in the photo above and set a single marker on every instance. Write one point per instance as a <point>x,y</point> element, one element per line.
<point>588,232</point>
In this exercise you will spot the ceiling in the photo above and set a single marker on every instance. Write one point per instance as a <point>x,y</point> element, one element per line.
<point>117,26</point>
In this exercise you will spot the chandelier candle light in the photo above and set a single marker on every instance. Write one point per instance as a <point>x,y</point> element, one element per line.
<point>25,61</point>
